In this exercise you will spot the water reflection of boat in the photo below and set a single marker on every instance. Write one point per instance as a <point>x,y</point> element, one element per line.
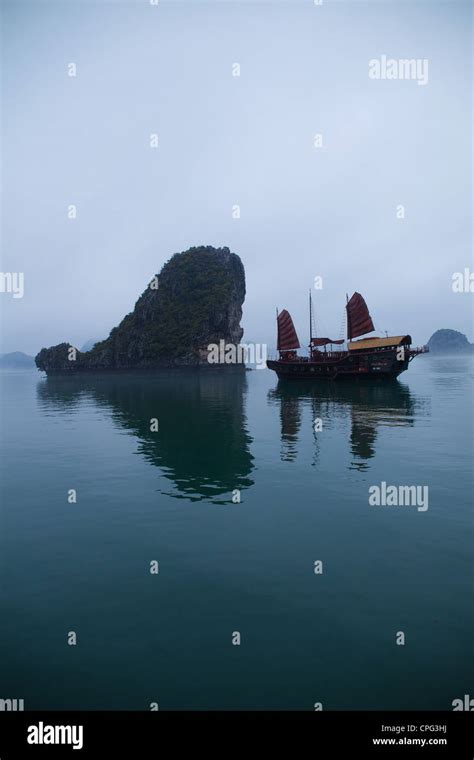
<point>202,445</point>
<point>366,407</point>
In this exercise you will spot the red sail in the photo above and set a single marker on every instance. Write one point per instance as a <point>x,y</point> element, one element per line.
<point>287,337</point>
<point>359,320</point>
<point>325,341</point>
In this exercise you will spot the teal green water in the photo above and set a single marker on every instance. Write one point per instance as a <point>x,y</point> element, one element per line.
<point>226,567</point>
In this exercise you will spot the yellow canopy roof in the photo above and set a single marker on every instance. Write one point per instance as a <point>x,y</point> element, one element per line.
<point>394,340</point>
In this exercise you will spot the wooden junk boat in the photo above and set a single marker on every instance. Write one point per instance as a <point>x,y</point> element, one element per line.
<point>366,358</point>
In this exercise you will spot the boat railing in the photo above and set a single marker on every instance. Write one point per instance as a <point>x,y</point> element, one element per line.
<point>323,354</point>
<point>334,356</point>
<point>418,350</point>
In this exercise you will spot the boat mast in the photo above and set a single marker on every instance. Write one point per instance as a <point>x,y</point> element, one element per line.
<point>310,320</point>
<point>278,334</point>
<point>347,320</point>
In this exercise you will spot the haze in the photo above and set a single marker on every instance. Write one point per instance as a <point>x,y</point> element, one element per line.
<point>225,140</point>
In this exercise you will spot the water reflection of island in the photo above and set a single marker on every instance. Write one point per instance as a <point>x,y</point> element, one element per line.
<point>201,445</point>
<point>369,406</point>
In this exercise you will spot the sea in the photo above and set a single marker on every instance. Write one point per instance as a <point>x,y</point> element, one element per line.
<point>208,541</point>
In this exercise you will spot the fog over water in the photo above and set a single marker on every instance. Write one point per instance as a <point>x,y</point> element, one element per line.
<point>229,140</point>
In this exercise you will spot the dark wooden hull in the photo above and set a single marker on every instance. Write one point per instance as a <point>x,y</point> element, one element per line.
<point>373,365</point>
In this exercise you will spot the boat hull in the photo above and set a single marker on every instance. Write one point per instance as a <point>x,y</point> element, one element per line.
<point>380,365</point>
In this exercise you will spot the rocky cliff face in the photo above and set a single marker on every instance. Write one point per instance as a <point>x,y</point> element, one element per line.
<point>449,341</point>
<point>195,300</point>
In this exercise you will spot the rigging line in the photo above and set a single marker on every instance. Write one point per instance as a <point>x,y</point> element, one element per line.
<point>378,328</point>
<point>342,329</point>
<point>313,321</point>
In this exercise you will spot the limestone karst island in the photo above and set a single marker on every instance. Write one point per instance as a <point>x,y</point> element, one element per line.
<point>196,300</point>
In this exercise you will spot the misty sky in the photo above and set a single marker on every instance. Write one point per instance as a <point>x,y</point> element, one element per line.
<point>226,140</point>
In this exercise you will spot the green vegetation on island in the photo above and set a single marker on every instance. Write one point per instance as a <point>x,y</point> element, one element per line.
<point>195,300</point>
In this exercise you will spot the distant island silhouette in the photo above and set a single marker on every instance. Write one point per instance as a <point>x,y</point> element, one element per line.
<point>449,341</point>
<point>16,360</point>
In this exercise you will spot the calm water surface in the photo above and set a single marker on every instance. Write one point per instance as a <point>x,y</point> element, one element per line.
<point>225,566</point>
